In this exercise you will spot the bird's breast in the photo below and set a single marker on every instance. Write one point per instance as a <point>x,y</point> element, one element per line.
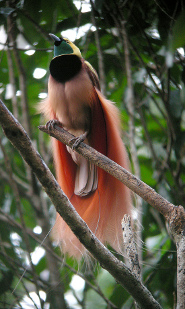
<point>71,101</point>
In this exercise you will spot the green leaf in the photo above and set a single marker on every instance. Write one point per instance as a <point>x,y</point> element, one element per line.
<point>94,300</point>
<point>178,33</point>
<point>107,283</point>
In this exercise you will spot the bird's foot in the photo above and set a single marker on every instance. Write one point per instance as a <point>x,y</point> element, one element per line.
<point>75,141</point>
<point>51,124</point>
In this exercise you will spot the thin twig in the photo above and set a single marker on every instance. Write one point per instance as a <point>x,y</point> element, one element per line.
<point>99,52</point>
<point>13,83</point>
<point>39,29</point>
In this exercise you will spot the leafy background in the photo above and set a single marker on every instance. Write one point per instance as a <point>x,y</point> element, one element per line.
<point>137,47</point>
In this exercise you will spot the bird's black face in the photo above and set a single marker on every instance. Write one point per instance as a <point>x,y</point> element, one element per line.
<point>65,67</point>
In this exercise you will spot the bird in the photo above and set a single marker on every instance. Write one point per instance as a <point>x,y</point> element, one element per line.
<point>75,101</point>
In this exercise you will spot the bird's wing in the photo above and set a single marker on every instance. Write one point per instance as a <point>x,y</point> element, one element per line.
<point>92,74</point>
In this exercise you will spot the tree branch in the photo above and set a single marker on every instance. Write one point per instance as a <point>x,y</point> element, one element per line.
<point>130,246</point>
<point>132,182</point>
<point>19,138</point>
<point>175,215</point>
<point>39,239</point>
<point>101,68</point>
<point>177,229</point>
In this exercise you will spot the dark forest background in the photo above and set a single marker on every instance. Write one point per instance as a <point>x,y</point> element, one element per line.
<point>137,48</point>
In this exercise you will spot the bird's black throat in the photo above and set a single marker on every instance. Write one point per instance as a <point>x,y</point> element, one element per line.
<point>65,67</point>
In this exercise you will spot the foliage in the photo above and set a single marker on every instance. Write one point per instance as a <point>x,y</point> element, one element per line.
<point>155,33</point>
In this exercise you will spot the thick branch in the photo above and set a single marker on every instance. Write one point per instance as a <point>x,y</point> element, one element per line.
<point>49,250</point>
<point>132,182</point>
<point>19,138</point>
<point>130,246</point>
<point>177,229</point>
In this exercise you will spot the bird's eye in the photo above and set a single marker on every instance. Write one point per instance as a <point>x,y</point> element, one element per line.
<point>57,43</point>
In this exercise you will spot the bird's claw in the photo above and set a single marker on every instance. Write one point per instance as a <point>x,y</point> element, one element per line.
<point>75,141</point>
<point>51,124</point>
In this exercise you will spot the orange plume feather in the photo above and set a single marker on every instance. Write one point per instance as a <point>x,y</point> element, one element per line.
<point>99,198</point>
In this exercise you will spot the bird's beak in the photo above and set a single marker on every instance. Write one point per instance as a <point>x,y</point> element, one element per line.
<point>54,37</point>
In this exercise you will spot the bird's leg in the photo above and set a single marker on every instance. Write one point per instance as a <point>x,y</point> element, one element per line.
<point>51,124</point>
<point>75,141</point>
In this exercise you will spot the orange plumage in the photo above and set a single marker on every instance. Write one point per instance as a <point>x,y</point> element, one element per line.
<point>75,100</point>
